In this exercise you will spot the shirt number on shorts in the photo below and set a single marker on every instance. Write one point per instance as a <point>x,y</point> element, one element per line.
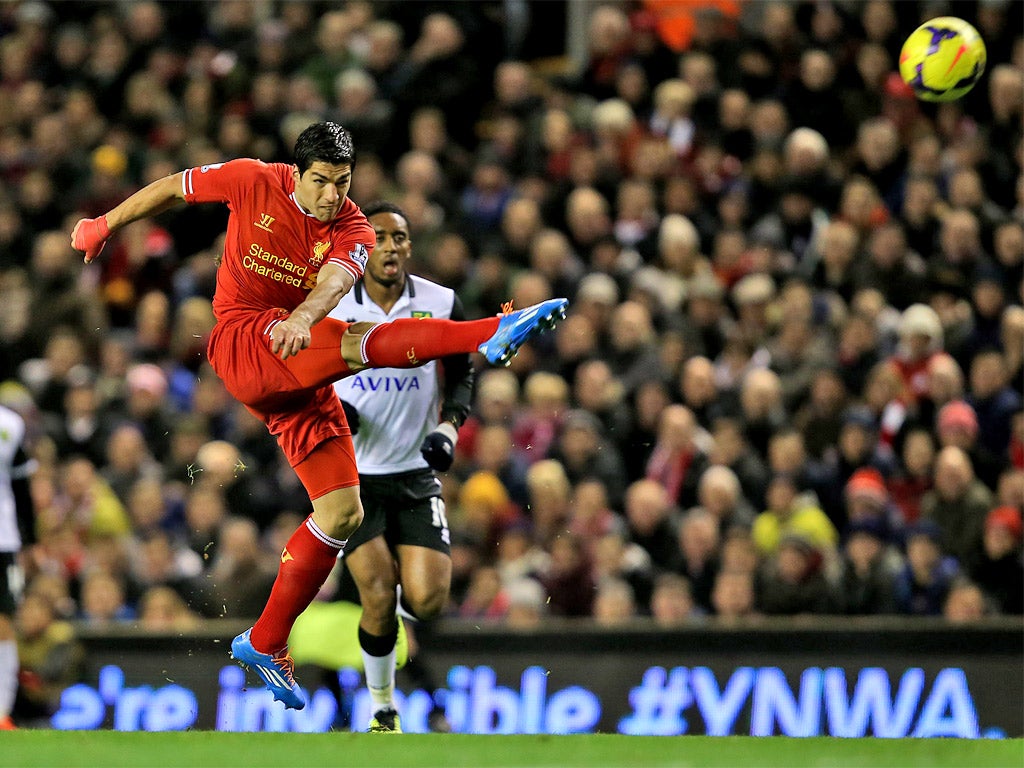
<point>438,518</point>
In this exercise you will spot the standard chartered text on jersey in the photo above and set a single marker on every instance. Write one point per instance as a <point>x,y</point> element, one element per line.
<point>265,270</point>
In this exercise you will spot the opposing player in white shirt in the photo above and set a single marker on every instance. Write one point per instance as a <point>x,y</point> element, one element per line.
<point>404,427</point>
<point>17,527</point>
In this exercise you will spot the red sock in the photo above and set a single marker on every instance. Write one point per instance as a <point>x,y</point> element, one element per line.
<point>306,562</point>
<point>408,342</point>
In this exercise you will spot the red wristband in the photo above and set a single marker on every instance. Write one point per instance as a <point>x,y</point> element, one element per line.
<point>102,228</point>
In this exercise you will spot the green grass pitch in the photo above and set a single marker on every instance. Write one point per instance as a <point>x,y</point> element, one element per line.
<point>95,749</point>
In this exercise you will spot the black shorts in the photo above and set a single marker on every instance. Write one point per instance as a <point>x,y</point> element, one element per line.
<point>405,507</point>
<point>12,583</point>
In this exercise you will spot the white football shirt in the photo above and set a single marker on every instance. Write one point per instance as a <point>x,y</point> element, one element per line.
<point>397,406</point>
<point>12,433</point>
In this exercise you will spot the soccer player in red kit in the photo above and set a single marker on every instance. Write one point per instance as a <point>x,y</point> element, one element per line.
<point>295,245</point>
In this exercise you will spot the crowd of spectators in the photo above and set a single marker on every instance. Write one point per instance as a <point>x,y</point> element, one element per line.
<point>790,378</point>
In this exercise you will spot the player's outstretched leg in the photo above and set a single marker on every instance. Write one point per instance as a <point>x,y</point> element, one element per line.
<point>276,672</point>
<point>519,326</point>
<point>408,342</point>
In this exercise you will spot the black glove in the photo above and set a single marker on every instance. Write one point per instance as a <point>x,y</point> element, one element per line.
<point>352,415</point>
<point>438,448</point>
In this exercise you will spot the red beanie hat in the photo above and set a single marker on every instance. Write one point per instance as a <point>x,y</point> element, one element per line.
<point>1009,518</point>
<point>867,481</point>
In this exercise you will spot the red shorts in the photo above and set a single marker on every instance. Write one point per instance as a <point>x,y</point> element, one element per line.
<point>295,398</point>
<point>331,465</point>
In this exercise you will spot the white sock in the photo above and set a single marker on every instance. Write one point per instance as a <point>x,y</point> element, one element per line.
<point>9,676</point>
<point>380,679</point>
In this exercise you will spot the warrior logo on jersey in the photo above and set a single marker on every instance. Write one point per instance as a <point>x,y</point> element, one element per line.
<point>264,223</point>
<point>421,313</point>
<point>359,255</point>
<point>319,249</point>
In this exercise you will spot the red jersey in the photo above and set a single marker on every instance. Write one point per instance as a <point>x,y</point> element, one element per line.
<point>274,249</point>
<point>914,374</point>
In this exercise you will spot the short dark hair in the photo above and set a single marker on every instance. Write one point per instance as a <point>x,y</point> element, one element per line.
<point>327,142</point>
<point>383,206</point>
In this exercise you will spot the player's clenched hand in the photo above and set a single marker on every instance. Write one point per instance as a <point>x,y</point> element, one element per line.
<point>90,235</point>
<point>289,337</point>
<point>438,447</point>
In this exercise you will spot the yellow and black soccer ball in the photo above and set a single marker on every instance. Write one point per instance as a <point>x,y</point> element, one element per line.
<point>943,59</point>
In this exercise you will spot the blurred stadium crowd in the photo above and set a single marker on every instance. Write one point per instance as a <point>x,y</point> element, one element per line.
<point>790,380</point>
